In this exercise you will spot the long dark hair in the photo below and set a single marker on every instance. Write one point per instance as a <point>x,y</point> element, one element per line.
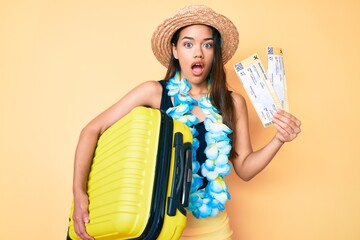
<point>220,96</point>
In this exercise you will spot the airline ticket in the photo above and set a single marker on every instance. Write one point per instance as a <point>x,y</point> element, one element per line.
<point>276,74</point>
<point>258,87</point>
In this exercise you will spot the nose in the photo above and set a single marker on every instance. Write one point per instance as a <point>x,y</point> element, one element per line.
<point>198,53</point>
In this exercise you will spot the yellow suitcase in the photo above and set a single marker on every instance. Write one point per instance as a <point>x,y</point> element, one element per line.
<point>139,179</point>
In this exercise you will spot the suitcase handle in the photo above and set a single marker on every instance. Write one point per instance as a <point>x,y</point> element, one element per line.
<point>180,188</point>
<point>187,174</point>
<point>179,158</point>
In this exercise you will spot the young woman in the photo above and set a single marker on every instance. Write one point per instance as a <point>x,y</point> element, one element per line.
<point>194,45</point>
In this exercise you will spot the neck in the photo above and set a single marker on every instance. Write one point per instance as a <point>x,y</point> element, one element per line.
<point>198,90</point>
<point>198,93</point>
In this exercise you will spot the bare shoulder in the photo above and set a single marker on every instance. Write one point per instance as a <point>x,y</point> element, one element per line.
<point>151,86</point>
<point>148,94</point>
<point>239,100</point>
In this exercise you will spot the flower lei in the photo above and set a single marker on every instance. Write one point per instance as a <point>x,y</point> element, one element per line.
<point>210,200</point>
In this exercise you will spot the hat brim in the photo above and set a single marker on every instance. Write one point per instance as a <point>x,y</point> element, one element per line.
<point>193,15</point>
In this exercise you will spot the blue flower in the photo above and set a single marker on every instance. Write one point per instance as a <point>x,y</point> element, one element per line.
<point>209,164</point>
<point>184,86</point>
<point>214,212</point>
<point>225,149</point>
<point>195,167</point>
<point>215,127</point>
<point>178,111</point>
<point>209,201</point>
<point>216,137</point>
<point>210,175</point>
<point>217,185</point>
<point>196,182</point>
<point>204,211</point>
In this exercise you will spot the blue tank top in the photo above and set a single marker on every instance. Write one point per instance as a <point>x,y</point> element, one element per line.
<point>165,104</point>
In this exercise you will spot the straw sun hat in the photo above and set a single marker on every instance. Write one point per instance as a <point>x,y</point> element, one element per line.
<point>190,15</point>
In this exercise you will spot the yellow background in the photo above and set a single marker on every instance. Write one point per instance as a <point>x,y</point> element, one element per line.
<point>63,62</point>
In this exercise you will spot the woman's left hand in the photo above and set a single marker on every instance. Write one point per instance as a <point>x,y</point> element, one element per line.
<point>287,125</point>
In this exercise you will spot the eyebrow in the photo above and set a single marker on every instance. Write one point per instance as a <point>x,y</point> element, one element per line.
<point>191,38</point>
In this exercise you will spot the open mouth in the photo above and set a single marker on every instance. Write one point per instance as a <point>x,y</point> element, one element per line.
<point>197,68</point>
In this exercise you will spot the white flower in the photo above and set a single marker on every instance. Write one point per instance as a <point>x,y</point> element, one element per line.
<point>212,151</point>
<point>209,201</point>
<point>221,197</point>
<point>223,170</point>
<point>221,160</point>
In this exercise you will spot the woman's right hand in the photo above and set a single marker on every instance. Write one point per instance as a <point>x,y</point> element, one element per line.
<point>146,94</point>
<point>81,216</point>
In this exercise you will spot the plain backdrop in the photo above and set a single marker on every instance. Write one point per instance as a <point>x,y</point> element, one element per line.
<point>63,62</point>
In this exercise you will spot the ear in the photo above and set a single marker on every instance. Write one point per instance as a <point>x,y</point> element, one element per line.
<point>174,51</point>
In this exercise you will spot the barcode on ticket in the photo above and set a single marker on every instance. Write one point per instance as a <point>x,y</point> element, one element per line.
<point>259,89</point>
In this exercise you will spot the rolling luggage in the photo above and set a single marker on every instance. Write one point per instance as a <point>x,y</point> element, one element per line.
<point>140,179</point>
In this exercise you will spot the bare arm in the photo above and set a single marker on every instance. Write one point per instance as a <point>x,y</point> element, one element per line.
<point>146,94</point>
<point>249,163</point>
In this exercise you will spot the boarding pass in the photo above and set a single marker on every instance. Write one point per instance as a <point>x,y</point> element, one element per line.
<point>260,88</point>
<point>276,75</point>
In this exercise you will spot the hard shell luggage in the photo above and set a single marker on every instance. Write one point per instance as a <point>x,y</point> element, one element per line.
<point>139,179</point>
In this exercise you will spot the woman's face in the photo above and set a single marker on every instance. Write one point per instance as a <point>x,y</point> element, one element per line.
<point>195,52</point>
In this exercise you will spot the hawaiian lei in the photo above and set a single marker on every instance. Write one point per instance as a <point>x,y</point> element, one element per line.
<point>210,200</point>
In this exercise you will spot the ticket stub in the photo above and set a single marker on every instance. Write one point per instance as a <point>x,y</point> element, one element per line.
<point>276,75</point>
<point>259,89</point>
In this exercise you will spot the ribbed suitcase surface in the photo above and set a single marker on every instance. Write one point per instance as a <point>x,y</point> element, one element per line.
<point>123,185</point>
